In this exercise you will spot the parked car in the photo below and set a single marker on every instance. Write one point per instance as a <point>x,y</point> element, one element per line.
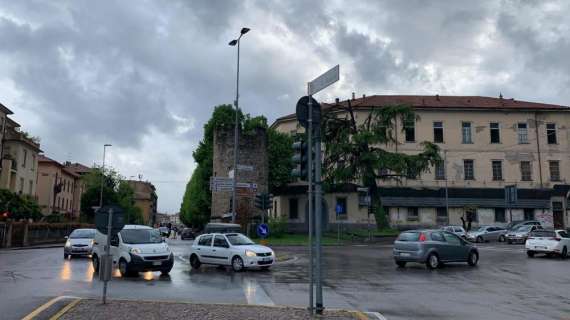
<point>487,233</point>
<point>433,247</point>
<point>515,224</point>
<point>548,242</point>
<point>458,230</point>
<point>214,227</point>
<point>135,249</point>
<point>520,234</point>
<point>230,249</point>
<point>187,234</point>
<point>79,242</point>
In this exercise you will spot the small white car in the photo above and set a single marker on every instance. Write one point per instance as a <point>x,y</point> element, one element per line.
<point>548,242</point>
<point>79,242</point>
<point>230,249</point>
<point>457,230</point>
<point>135,249</point>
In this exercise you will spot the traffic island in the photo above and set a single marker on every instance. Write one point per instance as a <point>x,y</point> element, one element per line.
<point>90,309</point>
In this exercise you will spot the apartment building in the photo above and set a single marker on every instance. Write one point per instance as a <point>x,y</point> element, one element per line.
<point>486,144</point>
<point>59,188</point>
<point>19,157</point>
<point>146,199</point>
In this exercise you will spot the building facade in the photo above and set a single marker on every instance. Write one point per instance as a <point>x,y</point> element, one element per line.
<point>486,144</point>
<point>146,199</point>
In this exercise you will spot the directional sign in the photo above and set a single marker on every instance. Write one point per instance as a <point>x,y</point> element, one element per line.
<point>263,230</point>
<point>324,80</point>
<point>242,167</point>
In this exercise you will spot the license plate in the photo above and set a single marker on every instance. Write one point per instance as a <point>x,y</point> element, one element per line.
<point>156,263</point>
<point>266,259</point>
<point>404,254</point>
<point>538,247</point>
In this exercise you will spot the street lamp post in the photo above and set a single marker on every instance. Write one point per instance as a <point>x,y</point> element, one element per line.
<point>236,131</point>
<point>103,175</point>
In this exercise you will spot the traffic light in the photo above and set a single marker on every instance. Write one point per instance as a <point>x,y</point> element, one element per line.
<point>263,201</point>
<point>269,201</point>
<point>300,160</point>
<point>259,201</point>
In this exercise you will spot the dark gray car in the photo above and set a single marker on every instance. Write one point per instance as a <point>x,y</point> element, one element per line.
<point>433,247</point>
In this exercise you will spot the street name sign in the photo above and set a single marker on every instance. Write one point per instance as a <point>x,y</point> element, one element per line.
<point>324,80</point>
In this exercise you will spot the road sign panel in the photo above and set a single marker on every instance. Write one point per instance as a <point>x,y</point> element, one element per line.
<point>303,111</point>
<point>101,219</point>
<point>243,167</point>
<point>263,230</point>
<point>324,80</point>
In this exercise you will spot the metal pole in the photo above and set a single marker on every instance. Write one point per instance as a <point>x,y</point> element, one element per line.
<point>310,193</point>
<point>236,140</point>
<point>107,252</point>
<point>446,191</point>
<point>102,178</point>
<point>318,222</point>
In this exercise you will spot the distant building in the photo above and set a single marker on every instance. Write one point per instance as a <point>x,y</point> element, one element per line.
<point>18,157</point>
<point>146,199</point>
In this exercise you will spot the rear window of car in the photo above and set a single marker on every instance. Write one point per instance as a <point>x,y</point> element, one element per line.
<point>543,233</point>
<point>409,236</point>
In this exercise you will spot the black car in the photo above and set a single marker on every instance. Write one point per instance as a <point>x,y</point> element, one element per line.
<point>187,234</point>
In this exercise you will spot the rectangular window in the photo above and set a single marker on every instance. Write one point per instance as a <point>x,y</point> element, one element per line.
<point>495,132</point>
<point>33,162</point>
<point>21,185</point>
<point>31,187</point>
<point>25,158</point>
<point>551,133</point>
<point>526,172</point>
<point>441,215</point>
<point>522,129</point>
<point>293,208</point>
<point>440,170</point>
<point>500,215</point>
<point>554,170</point>
<point>413,214</point>
<point>468,170</point>
<point>438,132</point>
<point>341,212</point>
<point>410,129</point>
<point>466,132</point>
<point>412,174</point>
<point>497,166</point>
<point>529,214</point>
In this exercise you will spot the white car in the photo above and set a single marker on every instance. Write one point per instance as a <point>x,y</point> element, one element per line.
<point>457,230</point>
<point>230,249</point>
<point>548,242</point>
<point>79,242</point>
<point>135,249</point>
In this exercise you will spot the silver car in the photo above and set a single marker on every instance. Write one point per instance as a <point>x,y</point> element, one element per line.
<point>79,242</point>
<point>487,233</point>
<point>520,234</point>
<point>433,247</point>
<point>457,230</point>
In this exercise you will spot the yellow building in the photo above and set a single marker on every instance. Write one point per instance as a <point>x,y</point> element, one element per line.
<point>487,143</point>
<point>146,199</point>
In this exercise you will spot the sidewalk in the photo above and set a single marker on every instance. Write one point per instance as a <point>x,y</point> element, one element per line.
<point>142,310</point>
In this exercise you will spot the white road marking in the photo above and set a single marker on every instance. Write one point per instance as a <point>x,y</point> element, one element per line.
<point>378,315</point>
<point>255,294</point>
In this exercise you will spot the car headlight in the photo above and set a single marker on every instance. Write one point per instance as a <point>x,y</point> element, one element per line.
<point>250,253</point>
<point>67,244</point>
<point>92,242</point>
<point>136,251</point>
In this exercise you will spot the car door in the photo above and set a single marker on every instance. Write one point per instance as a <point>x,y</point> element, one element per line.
<point>455,250</point>
<point>565,238</point>
<point>438,242</point>
<point>114,248</point>
<point>204,248</point>
<point>220,250</point>
<point>490,234</point>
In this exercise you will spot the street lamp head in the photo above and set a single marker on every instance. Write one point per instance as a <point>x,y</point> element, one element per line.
<point>244,30</point>
<point>233,43</point>
<point>107,145</point>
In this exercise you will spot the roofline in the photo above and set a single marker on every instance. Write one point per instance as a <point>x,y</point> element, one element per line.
<point>5,109</point>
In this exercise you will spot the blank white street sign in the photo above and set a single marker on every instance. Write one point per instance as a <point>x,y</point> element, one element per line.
<point>243,167</point>
<point>324,80</point>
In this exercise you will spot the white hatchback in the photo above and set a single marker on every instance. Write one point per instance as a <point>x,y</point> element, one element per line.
<point>548,242</point>
<point>230,249</point>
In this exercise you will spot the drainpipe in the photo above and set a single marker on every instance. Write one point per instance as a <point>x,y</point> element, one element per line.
<point>538,148</point>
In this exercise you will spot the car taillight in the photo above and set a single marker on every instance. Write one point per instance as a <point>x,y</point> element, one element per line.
<point>422,237</point>
<point>557,239</point>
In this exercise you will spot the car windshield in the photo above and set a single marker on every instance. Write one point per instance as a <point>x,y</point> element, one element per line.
<point>409,236</point>
<point>140,236</point>
<point>523,228</point>
<point>83,234</point>
<point>238,239</point>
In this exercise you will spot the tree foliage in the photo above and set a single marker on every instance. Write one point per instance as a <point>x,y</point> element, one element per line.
<point>116,191</point>
<point>18,206</point>
<point>357,152</point>
<point>279,153</point>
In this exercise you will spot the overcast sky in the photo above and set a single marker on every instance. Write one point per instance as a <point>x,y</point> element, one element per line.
<point>145,75</point>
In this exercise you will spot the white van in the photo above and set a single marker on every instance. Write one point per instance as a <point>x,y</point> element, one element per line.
<point>135,249</point>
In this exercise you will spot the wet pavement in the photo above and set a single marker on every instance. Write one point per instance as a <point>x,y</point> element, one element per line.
<point>505,285</point>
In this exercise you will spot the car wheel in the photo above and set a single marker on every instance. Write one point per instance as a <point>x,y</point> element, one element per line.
<point>432,261</point>
<point>502,238</point>
<point>195,262</point>
<point>473,258</point>
<point>65,256</point>
<point>564,253</point>
<point>95,261</point>
<point>530,254</point>
<point>237,264</point>
<point>124,268</point>
<point>479,239</point>
<point>165,272</point>
<point>401,264</point>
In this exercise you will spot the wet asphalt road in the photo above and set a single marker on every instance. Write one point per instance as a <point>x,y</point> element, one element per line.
<point>505,285</point>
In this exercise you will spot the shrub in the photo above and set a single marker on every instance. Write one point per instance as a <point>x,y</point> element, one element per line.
<point>277,226</point>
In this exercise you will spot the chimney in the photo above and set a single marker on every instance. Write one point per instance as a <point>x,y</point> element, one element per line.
<point>363,96</point>
<point>353,96</point>
<point>337,100</point>
<point>437,97</point>
<point>500,95</point>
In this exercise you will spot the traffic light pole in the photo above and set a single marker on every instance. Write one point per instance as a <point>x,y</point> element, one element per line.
<point>310,193</point>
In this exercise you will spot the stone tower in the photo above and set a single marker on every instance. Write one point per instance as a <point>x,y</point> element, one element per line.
<point>252,154</point>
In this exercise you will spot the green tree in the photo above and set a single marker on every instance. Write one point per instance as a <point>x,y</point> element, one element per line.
<point>19,206</point>
<point>355,152</point>
<point>279,153</point>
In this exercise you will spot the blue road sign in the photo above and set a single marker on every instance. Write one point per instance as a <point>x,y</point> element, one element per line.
<point>263,230</point>
<point>339,209</point>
